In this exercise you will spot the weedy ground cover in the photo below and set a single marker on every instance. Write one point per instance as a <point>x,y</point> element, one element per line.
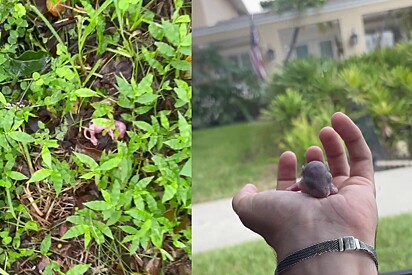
<point>95,137</point>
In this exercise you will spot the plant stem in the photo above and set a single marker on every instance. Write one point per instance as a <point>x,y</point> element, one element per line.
<point>28,158</point>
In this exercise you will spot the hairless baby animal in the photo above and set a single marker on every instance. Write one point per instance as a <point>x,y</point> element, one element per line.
<point>93,129</point>
<point>316,181</point>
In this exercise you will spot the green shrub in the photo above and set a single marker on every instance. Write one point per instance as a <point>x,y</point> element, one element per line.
<point>376,87</point>
<point>223,93</point>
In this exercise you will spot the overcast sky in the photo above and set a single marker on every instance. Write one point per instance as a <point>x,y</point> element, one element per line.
<point>253,5</point>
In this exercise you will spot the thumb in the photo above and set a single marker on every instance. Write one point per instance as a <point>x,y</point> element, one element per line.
<point>243,199</point>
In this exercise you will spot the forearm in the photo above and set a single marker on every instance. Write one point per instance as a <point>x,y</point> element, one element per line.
<point>337,263</point>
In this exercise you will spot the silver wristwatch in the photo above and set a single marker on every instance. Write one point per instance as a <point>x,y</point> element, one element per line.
<point>338,245</point>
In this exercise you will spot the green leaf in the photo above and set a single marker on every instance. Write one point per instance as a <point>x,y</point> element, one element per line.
<point>175,144</point>
<point>134,246</point>
<point>77,219</point>
<point>182,90</point>
<point>141,184</point>
<point>45,245</point>
<point>5,184</point>
<point>89,175</point>
<point>165,49</point>
<point>3,99</point>
<point>182,19</point>
<point>16,175</point>
<point>57,181</point>
<point>87,237</point>
<point>40,175</point>
<point>184,127</point>
<point>85,92</point>
<point>98,205</point>
<point>115,192</point>
<point>97,235</point>
<point>152,142</point>
<point>28,63</point>
<point>145,85</point>
<point>146,98</point>
<point>142,110</point>
<point>144,126</point>
<point>110,164</point>
<point>79,269</point>
<point>21,137</point>
<point>156,30</point>
<point>114,218</point>
<point>104,122</point>
<point>6,240</point>
<point>50,267</point>
<point>104,229</point>
<point>169,193</point>
<point>65,72</point>
<point>106,196</point>
<point>164,120</point>
<point>187,169</point>
<point>166,255</point>
<point>76,231</point>
<point>171,32</point>
<point>20,10</point>
<point>129,229</point>
<point>125,102</point>
<point>151,203</point>
<point>46,156</point>
<point>86,160</point>
<point>150,168</point>
<point>181,65</point>
<point>125,88</point>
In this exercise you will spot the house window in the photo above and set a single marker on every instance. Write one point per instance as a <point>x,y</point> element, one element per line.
<point>245,58</point>
<point>240,60</point>
<point>302,51</point>
<point>326,49</point>
<point>234,60</point>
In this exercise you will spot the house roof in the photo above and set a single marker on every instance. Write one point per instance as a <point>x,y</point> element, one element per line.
<point>239,6</point>
<point>271,17</point>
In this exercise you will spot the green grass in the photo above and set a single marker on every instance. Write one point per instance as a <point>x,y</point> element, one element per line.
<point>249,258</point>
<point>394,248</point>
<point>225,158</point>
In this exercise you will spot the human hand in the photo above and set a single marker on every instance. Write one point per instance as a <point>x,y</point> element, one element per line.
<point>290,221</point>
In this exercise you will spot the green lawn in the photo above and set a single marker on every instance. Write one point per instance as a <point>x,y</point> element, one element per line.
<point>394,248</point>
<point>225,158</point>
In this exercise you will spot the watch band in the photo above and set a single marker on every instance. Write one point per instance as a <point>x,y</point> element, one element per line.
<point>348,243</point>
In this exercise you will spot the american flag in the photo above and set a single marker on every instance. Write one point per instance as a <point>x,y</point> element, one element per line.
<point>255,53</point>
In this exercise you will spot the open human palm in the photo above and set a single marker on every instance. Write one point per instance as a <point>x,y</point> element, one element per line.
<point>290,221</point>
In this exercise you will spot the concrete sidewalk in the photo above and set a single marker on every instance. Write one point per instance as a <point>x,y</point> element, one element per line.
<point>215,225</point>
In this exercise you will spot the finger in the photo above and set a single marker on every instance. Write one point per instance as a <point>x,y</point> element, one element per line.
<point>242,199</point>
<point>359,152</point>
<point>286,170</point>
<point>314,153</point>
<point>335,153</point>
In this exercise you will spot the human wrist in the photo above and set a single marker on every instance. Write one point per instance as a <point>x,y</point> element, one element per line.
<point>337,263</point>
<point>344,255</point>
<point>288,242</point>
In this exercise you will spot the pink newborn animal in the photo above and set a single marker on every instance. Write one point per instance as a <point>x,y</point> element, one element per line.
<point>93,129</point>
<point>316,181</point>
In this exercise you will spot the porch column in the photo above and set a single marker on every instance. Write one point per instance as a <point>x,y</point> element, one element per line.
<point>270,39</point>
<point>351,25</point>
